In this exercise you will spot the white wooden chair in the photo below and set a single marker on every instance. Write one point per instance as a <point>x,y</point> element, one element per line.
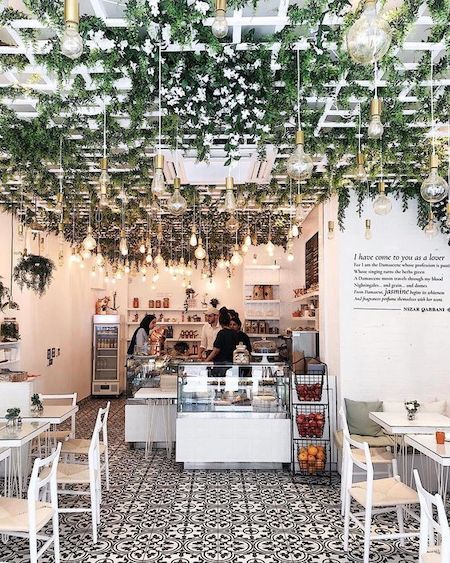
<point>61,435</point>
<point>70,474</point>
<point>429,550</point>
<point>376,496</point>
<point>81,446</point>
<point>380,457</point>
<point>24,518</point>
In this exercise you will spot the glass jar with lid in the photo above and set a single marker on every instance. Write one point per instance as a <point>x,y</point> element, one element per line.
<point>9,330</point>
<point>241,355</point>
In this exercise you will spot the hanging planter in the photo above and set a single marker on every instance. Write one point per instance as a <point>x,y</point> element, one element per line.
<point>34,272</point>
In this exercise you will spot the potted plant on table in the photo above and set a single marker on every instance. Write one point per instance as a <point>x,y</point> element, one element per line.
<point>36,403</point>
<point>12,417</point>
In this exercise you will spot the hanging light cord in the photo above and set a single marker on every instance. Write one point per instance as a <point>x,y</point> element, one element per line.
<point>290,204</point>
<point>60,165</point>
<point>104,129</point>
<point>359,127</point>
<point>298,91</point>
<point>375,79</point>
<point>159,96</point>
<point>381,159</point>
<point>433,131</point>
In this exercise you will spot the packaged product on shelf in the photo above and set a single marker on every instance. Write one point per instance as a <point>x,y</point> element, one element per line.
<point>136,302</point>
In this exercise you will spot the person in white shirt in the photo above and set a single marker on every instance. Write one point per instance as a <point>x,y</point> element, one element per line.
<point>209,332</point>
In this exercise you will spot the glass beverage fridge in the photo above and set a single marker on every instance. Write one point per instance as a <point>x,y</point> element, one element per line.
<point>105,357</point>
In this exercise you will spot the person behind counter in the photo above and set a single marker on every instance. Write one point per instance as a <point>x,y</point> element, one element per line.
<point>236,325</point>
<point>225,342</point>
<point>209,332</point>
<point>140,338</point>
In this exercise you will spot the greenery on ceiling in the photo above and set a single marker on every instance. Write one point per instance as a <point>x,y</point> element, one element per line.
<point>247,95</point>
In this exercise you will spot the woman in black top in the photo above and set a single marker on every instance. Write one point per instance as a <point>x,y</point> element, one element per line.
<point>226,341</point>
<point>236,325</point>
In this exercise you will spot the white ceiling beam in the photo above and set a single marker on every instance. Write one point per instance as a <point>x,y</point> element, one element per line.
<point>237,28</point>
<point>99,9</point>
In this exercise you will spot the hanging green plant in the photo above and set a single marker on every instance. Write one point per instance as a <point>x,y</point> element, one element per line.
<point>6,298</point>
<point>34,272</point>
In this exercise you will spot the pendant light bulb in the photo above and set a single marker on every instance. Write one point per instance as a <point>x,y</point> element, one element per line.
<point>369,38</point>
<point>127,268</point>
<point>89,242</point>
<point>434,188</point>
<point>236,258</point>
<point>299,165</point>
<point>330,230</point>
<point>149,258</point>
<point>221,262</point>
<point>193,240</point>
<point>375,129</point>
<point>159,259</point>
<point>368,230</point>
<point>142,248</point>
<point>143,269</point>
<point>219,26</point>
<point>270,247</point>
<point>99,260</point>
<point>71,41</point>
<point>295,230</point>
<point>382,204</point>
<point>248,240</point>
<point>230,200</point>
<point>176,204</point>
<point>431,229</point>
<point>244,248</point>
<point>360,172</point>
<point>123,246</point>
<point>158,183</point>
<point>86,254</point>
<point>200,252</point>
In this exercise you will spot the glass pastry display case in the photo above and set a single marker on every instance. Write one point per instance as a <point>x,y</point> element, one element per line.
<point>233,415</point>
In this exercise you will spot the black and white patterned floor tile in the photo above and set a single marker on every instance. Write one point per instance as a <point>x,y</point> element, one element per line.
<point>157,513</point>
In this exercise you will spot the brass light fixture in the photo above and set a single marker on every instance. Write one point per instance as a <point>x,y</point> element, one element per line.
<point>219,27</point>
<point>375,129</point>
<point>71,41</point>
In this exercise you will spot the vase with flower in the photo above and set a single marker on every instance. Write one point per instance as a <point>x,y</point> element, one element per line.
<point>411,409</point>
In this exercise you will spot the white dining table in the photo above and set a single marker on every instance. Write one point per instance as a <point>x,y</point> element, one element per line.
<point>438,454</point>
<point>398,425</point>
<point>18,438</point>
<point>53,414</point>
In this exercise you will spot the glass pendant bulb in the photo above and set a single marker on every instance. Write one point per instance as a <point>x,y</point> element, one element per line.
<point>244,248</point>
<point>219,26</point>
<point>270,247</point>
<point>159,259</point>
<point>99,260</point>
<point>176,204</point>
<point>71,41</point>
<point>368,230</point>
<point>330,230</point>
<point>86,254</point>
<point>360,172</point>
<point>236,258</point>
<point>295,230</point>
<point>375,129</point>
<point>232,224</point>
<point>149,257</point>
<point>290,250</point>
<point>369,38</point>
<point>431,229</point>
<point>143,269</point>
<point>127,268</point>
<point>123,246</point>
<point>299,165</point>
<point>248,240</point>
<point>73,255</point>
<point>89,242</point>
<point>434,188</point>
<point>447,219</point>
<point>200,252</point>
<point>382,204</point>
<point>158,183</point>
<point>193,240</point>
<point>221,262</point>
<point>230,200</point>
<point>189,269</point>
<point>142,248</point>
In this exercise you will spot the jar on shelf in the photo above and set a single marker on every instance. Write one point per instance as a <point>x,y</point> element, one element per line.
<point>241,354</point>
<point>151,303</point>
<point>166,303</point>
<point>158,303</point>
<point>136,302</point>
<point>9,330</point>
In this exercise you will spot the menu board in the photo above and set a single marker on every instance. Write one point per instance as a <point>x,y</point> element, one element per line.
<point>312,261</point>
